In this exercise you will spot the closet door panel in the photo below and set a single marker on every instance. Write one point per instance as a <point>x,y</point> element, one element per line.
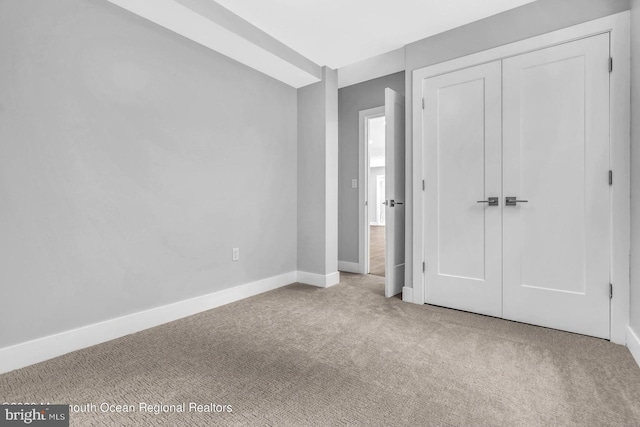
<point>462,141</point>
<point>556,160</point>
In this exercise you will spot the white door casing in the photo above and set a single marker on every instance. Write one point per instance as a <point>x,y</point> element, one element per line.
<point>380,198</point>
<point>618,27</point>
<point>394,183</point>
<point>462,164</point>
<point>363,187</point>
<point>556,156</point>
<point>557,247</point>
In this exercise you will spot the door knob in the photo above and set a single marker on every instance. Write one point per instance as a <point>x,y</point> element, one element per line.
<point>491,201</point>
<point>511,201</point>
<point>392,203</point>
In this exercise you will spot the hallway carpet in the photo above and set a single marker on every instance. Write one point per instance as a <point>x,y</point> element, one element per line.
<point>376,250</point>
<point>305,356</point>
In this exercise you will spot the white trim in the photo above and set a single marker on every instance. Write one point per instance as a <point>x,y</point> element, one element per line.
<point>349,267</point>
<point>618,26</point>
<point>371,68</point>
<point>363,190</point>
<point>41,349</point>
<point>620,158</point>
<point>566,35</point>
<point>407,294</point>
<point>633,343</point>
<point>319,280</point>
<point>417,276</point>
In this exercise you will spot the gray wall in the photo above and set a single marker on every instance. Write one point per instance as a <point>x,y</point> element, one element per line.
<point>373,174</point>
<point>351,100</point>
<point>539,17</point>
<point>635,166</point>
<point>317,157</point>
<point>131,162</point>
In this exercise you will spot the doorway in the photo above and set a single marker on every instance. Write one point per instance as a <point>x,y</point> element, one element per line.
<point>376,192</point>
<point>382,174</point>
<point>372,179</point>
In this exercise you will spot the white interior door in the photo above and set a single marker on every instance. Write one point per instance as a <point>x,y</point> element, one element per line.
<point>462,164</point>
<point>556,157</point>
<point>394,192</point>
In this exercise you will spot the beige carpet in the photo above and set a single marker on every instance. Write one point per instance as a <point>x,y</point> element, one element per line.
<point>376,250</point>
<point>345,355</point>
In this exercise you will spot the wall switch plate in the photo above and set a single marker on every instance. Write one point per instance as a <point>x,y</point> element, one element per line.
<point>354,183</point>
<point>236,254</point>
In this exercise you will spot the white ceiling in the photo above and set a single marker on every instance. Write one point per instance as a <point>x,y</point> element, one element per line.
<point>341,32</point>
<point>290,40</point>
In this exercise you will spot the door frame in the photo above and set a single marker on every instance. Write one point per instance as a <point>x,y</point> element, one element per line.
<point>618,26</point>
<point>363,188</point>
<point>379,201</point>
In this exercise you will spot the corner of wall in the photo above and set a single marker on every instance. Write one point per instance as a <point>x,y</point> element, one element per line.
<point>318,176</point>
<point>331,187</point>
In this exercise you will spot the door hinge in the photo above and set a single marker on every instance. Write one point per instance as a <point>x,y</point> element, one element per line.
<point>610,177</point>
<point>610,64</point>
<point>610,290</point>
<point>424,266</point>
<point>423,103</point>
<point>423,185</point>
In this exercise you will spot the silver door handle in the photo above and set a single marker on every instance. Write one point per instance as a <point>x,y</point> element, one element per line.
<point>392,203</point>
<point>491,201</point>
<point>511,201</point>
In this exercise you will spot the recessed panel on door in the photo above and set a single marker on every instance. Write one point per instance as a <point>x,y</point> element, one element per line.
<point>462,138</point>
<point>556,162</point>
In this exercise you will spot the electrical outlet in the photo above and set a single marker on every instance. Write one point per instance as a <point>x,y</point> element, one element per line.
<point>236,254</point>
<point>354,183</point>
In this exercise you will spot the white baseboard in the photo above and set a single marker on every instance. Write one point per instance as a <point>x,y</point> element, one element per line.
<point>318,279</point>
<point>633,343</point>
<point>407,294</point>
<point>349,267</point>
<point>39,350</point>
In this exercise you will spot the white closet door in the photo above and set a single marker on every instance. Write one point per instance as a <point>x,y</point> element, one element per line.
<point>556,157</point>
<point>462,138</point>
